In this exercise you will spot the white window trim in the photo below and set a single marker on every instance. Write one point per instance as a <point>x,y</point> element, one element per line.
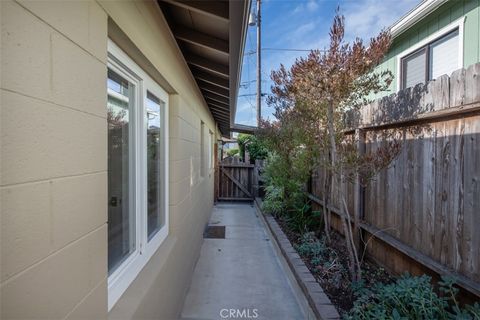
<point>460,23</point>
<point>210,151</point>
<point>123,276</point>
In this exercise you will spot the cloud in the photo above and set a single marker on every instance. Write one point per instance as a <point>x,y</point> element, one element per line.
<point>246,112</point>
<point>310,5</point>
<point>364,19</point>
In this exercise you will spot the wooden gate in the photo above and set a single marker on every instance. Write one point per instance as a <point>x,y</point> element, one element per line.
<point>235,181</point>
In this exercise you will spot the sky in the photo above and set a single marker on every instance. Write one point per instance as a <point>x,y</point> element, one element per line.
<point>304,24</point>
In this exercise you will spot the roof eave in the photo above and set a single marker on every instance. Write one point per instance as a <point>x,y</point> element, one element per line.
<point>238,35</point>
<point>413,16</point>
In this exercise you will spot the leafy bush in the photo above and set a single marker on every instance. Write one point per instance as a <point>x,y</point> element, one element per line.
<point>280,174</point>
<point>232,152</point>
<point>310,246</point>
<point>256,149</point>
<point>242,139</point>
<point>410,298</point>
<point>273,202</point>
<point>302,219</point>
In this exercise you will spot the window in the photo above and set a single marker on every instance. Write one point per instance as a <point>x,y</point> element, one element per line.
<point>444,55</point>
<point>431,61</point>
<point>155,165</point>
<point>210,151</point>
<point>414,68</point>
<point>439,54</point>
<point>137,109</point>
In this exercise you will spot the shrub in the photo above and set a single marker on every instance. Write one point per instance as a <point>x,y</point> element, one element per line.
<point>310,246</point>
<point>325,260</point>
<point>256,149</point>
<point>273,202</point>
<point>410,298</point>
<point>242,139</point>
<point>232,152</point>
<point>302,219</point>
<point>280,174</point>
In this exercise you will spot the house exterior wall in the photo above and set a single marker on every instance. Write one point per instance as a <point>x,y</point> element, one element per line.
<point>446,14</point>
<point>54,162</point>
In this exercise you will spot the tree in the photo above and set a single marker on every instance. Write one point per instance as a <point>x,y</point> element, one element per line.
<point>232,152</point>
<point>242,140</point>
<point>254,146</point>
<point>315,96</point>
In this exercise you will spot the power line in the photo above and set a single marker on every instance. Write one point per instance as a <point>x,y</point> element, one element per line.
<point>285,49</point>
<point>253,94</point>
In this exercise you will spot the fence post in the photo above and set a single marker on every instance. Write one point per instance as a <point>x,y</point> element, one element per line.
<point>359,195</point>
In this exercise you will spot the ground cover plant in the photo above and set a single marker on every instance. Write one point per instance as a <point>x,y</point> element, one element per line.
<point>411,298</point>
<point>378,295</point>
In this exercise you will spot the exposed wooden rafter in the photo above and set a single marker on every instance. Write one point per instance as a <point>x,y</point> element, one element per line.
<point>213,89</point>
<point>219,110</point>
<point>218,105</point>
<point>201,39</point>
<point>213,9</point>
<point>210,78</point>
<point>216,97</point>
<point>212,46</point>
<point>208,65</point>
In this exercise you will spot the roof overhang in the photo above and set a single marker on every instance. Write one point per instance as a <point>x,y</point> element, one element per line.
<point>211,35</point>
<point>413,16</point>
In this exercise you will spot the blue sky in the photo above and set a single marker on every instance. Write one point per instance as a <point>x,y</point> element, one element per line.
<point>304,24</point>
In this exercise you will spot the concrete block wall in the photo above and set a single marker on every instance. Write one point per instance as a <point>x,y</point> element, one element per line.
<point>53,158</point>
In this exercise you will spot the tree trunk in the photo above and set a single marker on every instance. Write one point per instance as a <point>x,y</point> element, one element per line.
<point>354,266</point>
<point>326,207</point>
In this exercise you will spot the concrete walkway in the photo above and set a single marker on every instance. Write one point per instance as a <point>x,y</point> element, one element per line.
<point>239,277</point>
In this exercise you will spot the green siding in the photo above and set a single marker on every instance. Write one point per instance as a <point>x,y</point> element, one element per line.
<point>446,14</point>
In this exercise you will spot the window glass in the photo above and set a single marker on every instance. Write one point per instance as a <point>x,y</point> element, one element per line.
<point>444,55</point>
<point>414,69</point>
<point>155,164</point>
<point>121,216</point>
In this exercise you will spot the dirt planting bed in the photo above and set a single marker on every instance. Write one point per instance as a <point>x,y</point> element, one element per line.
<point>328,262</point>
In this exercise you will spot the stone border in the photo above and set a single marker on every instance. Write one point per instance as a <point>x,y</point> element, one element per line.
<point>318,301</point>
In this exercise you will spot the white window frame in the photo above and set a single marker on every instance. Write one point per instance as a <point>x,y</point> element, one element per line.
<point>460,23</point>
<point>210,151</point>
<point>123,276</point>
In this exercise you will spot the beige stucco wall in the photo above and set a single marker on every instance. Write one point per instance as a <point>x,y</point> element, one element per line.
<point>54,162</point>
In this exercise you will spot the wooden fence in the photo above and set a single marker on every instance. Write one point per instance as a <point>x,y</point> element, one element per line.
<point>236,180</point>
<point>422,214</point>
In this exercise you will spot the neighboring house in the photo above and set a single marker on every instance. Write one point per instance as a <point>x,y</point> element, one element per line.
<point>437,37</point>
<point>110,116</point>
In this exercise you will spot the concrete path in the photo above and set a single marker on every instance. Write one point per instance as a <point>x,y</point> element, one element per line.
<point>239,277</point>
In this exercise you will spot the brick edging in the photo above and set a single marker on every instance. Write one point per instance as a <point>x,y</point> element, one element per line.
<point>317,299</point>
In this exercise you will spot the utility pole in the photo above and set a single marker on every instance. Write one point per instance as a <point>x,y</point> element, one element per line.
<point>259,64</point>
